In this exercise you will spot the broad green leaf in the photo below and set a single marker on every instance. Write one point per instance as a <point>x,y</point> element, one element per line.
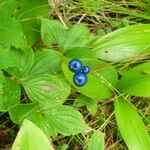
<point>29,16</point>
<point>6,59</point>
<point>52,33</point>
<point>90,104</point>
<point>77,37</point>
<point>52,119</point>
<point>30,137</point>
<point>124,43</point>
<point>102,70</point>
<point>10,94</point>
<point>95,88</point>
<point>108,73</point>
<point>23,110</point>
<point>131,126</point>
<point>96,142</point>
<point>136,81</point>
<point>45,88</point>
<point>80,53</point>
<point>15,61</point>
<point>7,7</point>
<point>46,61</point>
<point>11,32</point>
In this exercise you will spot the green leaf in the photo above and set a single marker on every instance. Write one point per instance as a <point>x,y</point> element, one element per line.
<point>7,7</point>
<point>96,142</point>
<point>46,61</point>
<point>53,32</point>
<point>23,110</point>
<point>80,52</point>
<point>10,94</point>
<point>124,43</point>
<point>77,36</point>
<point>30,137</point>
<point>95,88</point>
<point>52,119</point>
<point>131,126</point>
<point>102,70</point>
<point>11,32</point>
<point>134,79</point>
<point>90,104</point>
<point>108,73</point>
<point>6,59</point>
<point>45,88</point>
<point>29,16</point>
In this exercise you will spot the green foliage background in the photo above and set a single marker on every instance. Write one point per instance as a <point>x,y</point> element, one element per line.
<point>37,41</point>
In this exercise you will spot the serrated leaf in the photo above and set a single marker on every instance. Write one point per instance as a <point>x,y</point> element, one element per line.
<point>95,88</point>
<point>46,61</point>
<point>96,141</point>
<point>45,88</point>
<point>131,126</point>
<point>90,104</point>
<point>10,94</point>
<point>30,137</point>
<point>51,119</point>
<point>124,43</point>
<point>134,79</point>
<point>53,32</point>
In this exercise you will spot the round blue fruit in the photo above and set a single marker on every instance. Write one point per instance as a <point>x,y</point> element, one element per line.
<point>85,69</point>
<point>75,65</point>
<point>80,79</point>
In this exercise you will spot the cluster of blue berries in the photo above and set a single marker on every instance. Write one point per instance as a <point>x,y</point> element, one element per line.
<point>80,78</point>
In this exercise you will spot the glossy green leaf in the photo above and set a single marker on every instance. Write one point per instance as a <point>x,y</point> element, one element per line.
<point>46,61</point>
<point>52,119</point>
<point>53,32</point>
<point>124,43</point>
<point>45,88</point>
<point>90,104</point>
<point>136,81</point>
<point>96,141</point>
<point>30,137</point>
<point>94,88</point>
<point>131,126</point>
<point>10,94</point>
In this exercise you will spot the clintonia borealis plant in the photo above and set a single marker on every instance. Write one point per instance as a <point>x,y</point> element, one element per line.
<point>35,83</point>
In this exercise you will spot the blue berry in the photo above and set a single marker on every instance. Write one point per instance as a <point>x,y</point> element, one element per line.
<point>80,79</point>
<point>75,65</point>
<point>85,69</point>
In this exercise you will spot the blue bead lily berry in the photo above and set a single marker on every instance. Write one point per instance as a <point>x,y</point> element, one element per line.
<point>85,69</point>
<point>75,65</point>
<point>80,79</point>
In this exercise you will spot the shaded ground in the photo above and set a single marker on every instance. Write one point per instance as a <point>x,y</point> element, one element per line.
<point>7,132</point>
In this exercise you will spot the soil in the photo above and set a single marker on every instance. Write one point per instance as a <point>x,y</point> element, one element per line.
<point>8,132</point>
